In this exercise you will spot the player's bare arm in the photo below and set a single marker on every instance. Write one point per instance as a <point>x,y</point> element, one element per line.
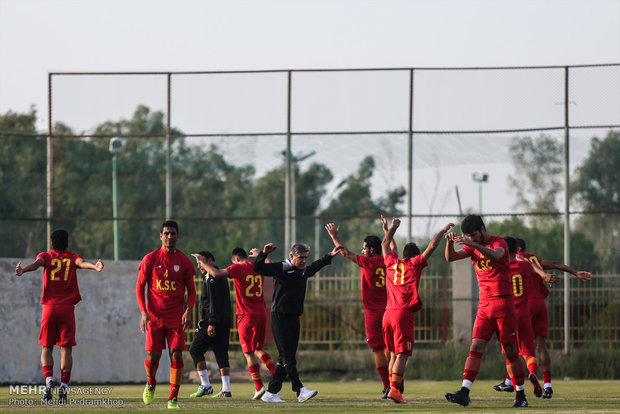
<point>388,237</point>
<point>19,270</point>
<point>494,254</point>
<point>451,253</point>
<point>83,264</point>
<point>333,231</point>
<point>579,274</point>
<point>547,277</point>
<point>186,319</point>
<point>435,241</point>
<point>269,247</point>
<point>209,268</point>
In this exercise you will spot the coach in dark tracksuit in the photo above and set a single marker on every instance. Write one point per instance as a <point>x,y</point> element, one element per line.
<point>287,306</point>
<point>213,329</point>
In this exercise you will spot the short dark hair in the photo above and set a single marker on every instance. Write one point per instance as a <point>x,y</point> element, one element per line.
<point>471,224</point>
<point>170,223</point>
<point>60,239</point>
<point>520,243</point>
<point>410,250</point>
<point>239,252</point>
<point>299,248</point>
<point>207,254</point>
<point>373,242</point>
<point>512,245</point>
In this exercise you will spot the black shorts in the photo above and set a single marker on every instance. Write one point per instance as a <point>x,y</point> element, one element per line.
<point>202,342</point>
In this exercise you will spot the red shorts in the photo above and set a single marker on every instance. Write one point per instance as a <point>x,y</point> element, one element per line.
<point>496,316</point>
<point>161,330</point>
<point>373,322</point>
<point>251,329</point>
<point>540,317</point>
<point>57,325</point>
<point>525,335</point>
<point>398,331</point>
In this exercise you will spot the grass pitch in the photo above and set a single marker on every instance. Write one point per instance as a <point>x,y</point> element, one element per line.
<point>333,397</point>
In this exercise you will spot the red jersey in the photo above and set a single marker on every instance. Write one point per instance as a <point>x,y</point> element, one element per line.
<point>166,274</point>
<point>60,285</point>
<point>402,281</point>
<point>248,288</point>
<point>374,294</point>
<point>493,276</point>
<point>537,288</point>
<point>522,277</point>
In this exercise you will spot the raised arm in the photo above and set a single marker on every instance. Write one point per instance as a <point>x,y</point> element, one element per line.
<point>435,242</point>
<point>210,269</point>
<point>494,254</point>
<point>19,270</point>
<point>333,233</point>
<point>267,269</point>
<point>451,253</point>
<point>580,274</point>
<point>83,264</point>
<point>387,244</point>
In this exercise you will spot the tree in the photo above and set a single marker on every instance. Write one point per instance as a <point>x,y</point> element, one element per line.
<point>537,180</point>
<point>22,184</point>
<point>597,190</point>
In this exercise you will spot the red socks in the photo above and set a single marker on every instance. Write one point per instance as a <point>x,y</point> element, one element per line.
<point>151,372</point>
<point>255,374</point>
<point>385,376</point>
<point>266,358</point>
<point>176,375</point>
<point>472,366</point>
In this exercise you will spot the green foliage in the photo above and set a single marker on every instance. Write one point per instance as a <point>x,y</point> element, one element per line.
<point>597,188</point>
<point>537,180</point>
<point>548,242</point>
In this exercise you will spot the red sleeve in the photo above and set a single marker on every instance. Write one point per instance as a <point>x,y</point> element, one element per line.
<point>140,291</point>
<point>191,287</point>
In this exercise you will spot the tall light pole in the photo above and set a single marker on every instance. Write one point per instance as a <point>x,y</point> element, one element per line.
<point>116,146</point>
<point>480,178</point>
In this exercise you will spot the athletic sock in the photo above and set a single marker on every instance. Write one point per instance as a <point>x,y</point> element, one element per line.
<point>176,375</point>
<point>547,378</point>
<point>255,374</point>
<point>225,382</point>
<point>472,367</point>
<point>516,371</point>
<point>385,377</point>
<point>396,380</point>
<point>65,377</point>
<point>532,364</point>
<point>204,378</point>
<point>151,372</point>
<point>266,358</point>
<point>507,381</point>
<point>48,373</point>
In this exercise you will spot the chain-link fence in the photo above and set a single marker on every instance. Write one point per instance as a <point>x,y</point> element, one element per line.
<point>246,158</point>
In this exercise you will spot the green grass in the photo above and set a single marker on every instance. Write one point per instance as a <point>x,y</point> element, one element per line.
<point>347,397</point>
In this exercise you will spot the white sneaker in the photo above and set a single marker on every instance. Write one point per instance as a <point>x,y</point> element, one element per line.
<point>269,397</point>
<point>305,394</point>
<point>258,394</point>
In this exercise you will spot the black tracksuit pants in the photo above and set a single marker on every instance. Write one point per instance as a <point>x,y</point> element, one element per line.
<point>285,329</point>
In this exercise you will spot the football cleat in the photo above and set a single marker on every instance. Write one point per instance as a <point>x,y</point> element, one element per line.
<point>222,394</point>
<point>536,385</point>
<point>396,396</point>
<point>385,393</point>
<point>259,393</point>
<point>173,404</point>
<point>520,403</point>
<point>503,387</point>
<point>148,394</point>
<point>460,397</point>
<point>62,395</point>
<point>47,394</point>
<point>547,393</point>
<point>202,391</point>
